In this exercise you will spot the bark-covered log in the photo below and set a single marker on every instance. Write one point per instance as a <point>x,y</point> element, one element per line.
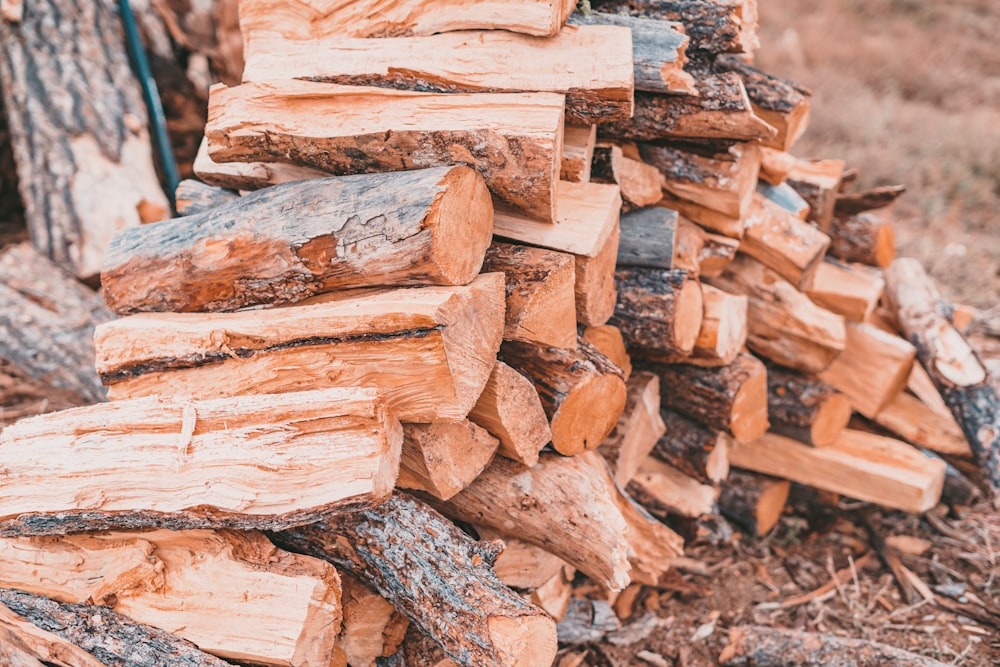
<point>818,182</point>
<point>910,419</point>
<point>78,128</point>
<point>696,450</point>
<point>443,458</point>
<point>647,239</point>
<point>193,197</point>
<point>639,182</point>
<point>853,203</point>
<point>754,501</point>
<point>24,644</point>
<point>805,408</point>
<point>637,430</point>
<point>866,238</point>
<point>659,312</point>
<point>438,576</point>
<point>779,240</point>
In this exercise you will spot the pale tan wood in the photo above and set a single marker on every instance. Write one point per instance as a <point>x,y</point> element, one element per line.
<point>818,182</point>
<point>325,125</point>
<point>248,175</point>
<point>846,289</point>
<point>689,241</point>
<point>666,490</point>
<point>962,316</point>
<point>431,349</point>
<point>595,289</point>
<point>723,223</point>
<point>724,328</point>
<point>639,182</point>
<point>521,564</point>
<point>776,238</point>
<point>716,254</point>
<point>372,627</point>
<point>24,644</point>
<point>873,368</point>
<point>922,386</point>
<point>578,152</point>
<point>246,461</point>
<point>608,340</point>
<point>909,418</point>
<point>510,409</point>
<point>554,595</point>
<point>860,465</point>
<point>637,430</point>
<point>775,165</point>
<point>443,458</point>
<point>233,594</point>
<point>193,196</point>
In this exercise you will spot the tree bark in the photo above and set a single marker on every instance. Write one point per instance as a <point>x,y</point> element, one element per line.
<point>647,239</point>
<point>754,501</point>
<point>659,312</point>
<point>805,408</point>
<point>510,409</point>
<point>699,452</point>
<point>23,644</point>
<point>865,238</point>
<point>443,458</point>
<point>637,430</point>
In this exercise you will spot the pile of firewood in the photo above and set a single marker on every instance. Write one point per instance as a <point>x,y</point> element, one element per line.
<point>466,301</point>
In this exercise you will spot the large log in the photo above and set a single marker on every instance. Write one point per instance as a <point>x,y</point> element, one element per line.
<point>866,238</point>
<point>514,140</point>
<point>777,239</point>
<point>754,501</point>
<point>659,312</point>
<point>805,408</point>
<point>647,239</point>
<point>638,429</point>
<point>431,349</point>
<point>700,452</point>
<point>578,152</point>
<point>443,458</point>
<point>289,242</point>
<point>246,462</point>
<point>596,89</point>
<point>438,576</point>
<point>638,181</point>
<point>510,409</point>
<point>232,594</point>
<point>846,289</point>
<point>78,129</point>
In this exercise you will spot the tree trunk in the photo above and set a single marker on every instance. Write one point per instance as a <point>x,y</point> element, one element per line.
<point>697,451</point>
<point>443,458</point>
<point>754,501</point>
<point>510,409</point>
<point>805,408</point>
<point>637,430</point>
<point>865,238</point>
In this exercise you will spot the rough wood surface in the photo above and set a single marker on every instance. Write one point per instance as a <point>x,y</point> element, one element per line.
<point>289,242</point>
<point>78,130</point>
<point>716,253</point>
<point>794,249</point>
<point>784,196</point>
<point>430,349</point>
<point>818,182</point>
<point>846,289</point>
<point>555,594</point>
<point>805,408</point>
<point>514,140</point>
<point>700,452</point>
<point>910,419</point>
<point>775,165</point>
<point>510,409</point>
<point>754,501</point>
<point>194,197</point>
<point>853,203</point>
<point>608,340</point>
<point>244,462</point>
<point>667,492</point>
<point>723,330</point>
<point>595,290</point>
<point>578,152</point>
<point>372,628</point>
<point>443,458</point>
<point>637,430</point>
<point>647,239</point>
<point>248,175</point>
<point>438,576</point>
<point>659,312</point>
<point>24,644</point>
<point>638,181</point>
<point>866,238</point>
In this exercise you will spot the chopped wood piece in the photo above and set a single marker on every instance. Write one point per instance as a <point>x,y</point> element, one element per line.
<point>853,203</point>
<point>860,465</point>
<point>910,419</point>
<point>514,140</point>
<point>441,342</point>
<point>952,364</point>
<point>805,408</point>
<point>78,132</point>
<point>596,90</point>
<point>923,387</point>
<point>963,316</point>
<point>699,252</point>
<point>638,181</point>
<point>695,450</point>
<point>659,312</point>
<point>637,430</point>
<point>248,175</point>
<point>647,239</point>
<point>846,289</point>
<point>289,242</point>
<point>541,306</point>
<point>666,491</point>
<point>595,289</point>
<point>609,342</point>
<point>873,368</point>
<point>587,621</point>
<point>729,398</point>
<point>583,393</point>
<point>510,409</point>
<point>716,254</point>
<point>864,238</point>
<point>443,458</point>
<point>784,325</point>
<point>12,11</point>
<point>786,197</point>
<point>777,239</point>
<point>706,218</point>
<point>372,627</point>
<point>818,182</point>
<point>150,462</point>
<point>754,501</point>
<point>658,51</point>
<point>24,644</point>
<point>554,595</point>
<point>775,165</point>
<point>438,576</point>
<point>723,330</point>
<point>578,152</point>
<point>521,564</point>
<point>194,197</point>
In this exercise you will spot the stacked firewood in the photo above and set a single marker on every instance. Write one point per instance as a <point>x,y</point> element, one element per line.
<point>466,302</point>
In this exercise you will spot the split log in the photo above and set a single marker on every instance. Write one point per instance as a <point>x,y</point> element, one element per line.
<point>521,564</point>
<point>578,153</point>
<point>697,451</point>
<point>754,501</point>
<point>853,203</point>
<point>647,239</point>
<point>24,644</point>
<point>861,465</point>
<point>115,640</point>
<point>441,342</point>
<point>192,197</point>
<point>846,289</point>
<point>818,182</point>
<point>873,368</point>
<point>438,576</point>
<point>582,392</point>
<point>248,175</point>
<point>289,242</point>
<point>784,196</point>
<point>729,398</point>
<point>443,458</point>
<point>274,608</point>
<point>510,409</point>
<point>78,131</point>
<point>596,90</point>
<point>805,408</point>
<point>723,330</point>
<point>637,430</point>
<point>555,594</point>
<point>924,388</point>
<point>609,341</point>
<point>658,51</point>
<point>865,238</point>
<point>718,110</point>
<point>952,364</point>
<point>913,421</point>
<point>784,325</point>
<point>702,253</point>
<point>775,165</point>
<point>659,312</point>
<point>667,492</point>
<point>541,306</point>
<point>706,218</point>
<point>638,181</point>
<point>780,241</point>
<point>372,627</point>
<point>514,140</point>
<point>149,462</point>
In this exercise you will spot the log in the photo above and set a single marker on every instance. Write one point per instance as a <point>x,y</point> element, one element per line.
<point>435,574</point>
<point>694,450</point>
<point>659,312</point>
<point>443,458</point>
<point>910,419</point>
<point>775,165</point>
<point>637,430</point>
<point>873,368</point>
<point>706,218</point>
<point>723,330</point>
<point>780,241</point>
<point>702,253</point>
<point>441,342</point>
<point>287,243</point>
<point>578,153</point>
<point>609,342</point>
<point>647,239</point>
<point>754,501</point>
<point>784,196</point>
<point>514,140</point>
<point>865,238</point>
<point>729,398</point>
<point>805,408</point>
<point>667,492</point>
<point>24,644</point>
<point>83,153</point>
<point>509,409</point>
<point>274,608</point>
<point>771,647</point>
<point>923,387</point>
<point>113,639</point>
<point>956,370</point>
<point>152,462</point>
<point>818,182</point>
<point>582,392</point>
<point>658,51</point>
<point>853,203</point>
<point>638,181</point>
<point>248,175</point>
<point>784,325</point>
<point>193,197</point>
<point>596,90</point>
<point>846,289</point>
<point>861,465</point>
<point>541,305</point>
<point>372,628</point>
<point>595,290</point>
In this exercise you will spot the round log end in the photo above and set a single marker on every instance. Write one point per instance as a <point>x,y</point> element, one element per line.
<point>832,417</point>
<point>526,641</point>
<point>885,245</point>
<point>688,316</point>
<point>463,217</point>
<point>588,414</point>
<point>749,415</point>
